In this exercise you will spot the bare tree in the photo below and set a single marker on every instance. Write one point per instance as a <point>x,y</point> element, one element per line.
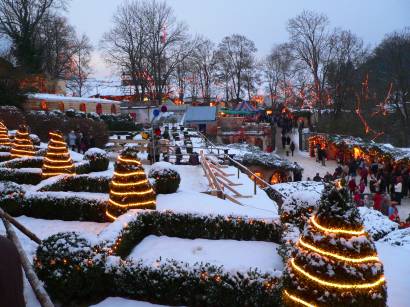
<point>313,45</point>
<point>80,67</point>
<point>204,61</point>
<point>20,21</point>
<point>58,45</point>
<point>348,55</point>
<point>235,55</point>
<point>278,69</point>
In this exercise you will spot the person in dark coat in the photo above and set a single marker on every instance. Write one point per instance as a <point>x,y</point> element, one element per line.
<point>283,141</point>
<point>288,140</point>
<point>292,148</point>
<point>11,276</point>
<point>317,178</point>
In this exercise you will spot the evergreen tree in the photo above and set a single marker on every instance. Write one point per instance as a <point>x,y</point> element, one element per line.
<point>129,187</point>
<point>4,135</point>
<point>335,262</point>
<point>22,145</point>
<point>57,160</point>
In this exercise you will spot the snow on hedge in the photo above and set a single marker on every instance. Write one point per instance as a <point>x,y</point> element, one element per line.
<point>234,256</point>
<point>162,167</point>
<point>375,223</point>
<point>400,237</point>
<point>92,152</point>
<point>308,191</point>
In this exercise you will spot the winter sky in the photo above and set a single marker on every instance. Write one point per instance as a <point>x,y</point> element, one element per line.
<point>263,21</point>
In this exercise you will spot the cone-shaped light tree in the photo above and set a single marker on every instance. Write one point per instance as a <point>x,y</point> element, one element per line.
<point>22,145</point>
<point>4,135</point>
<point>57,160</point>
<point>129,187</point>
<point>335,262</point>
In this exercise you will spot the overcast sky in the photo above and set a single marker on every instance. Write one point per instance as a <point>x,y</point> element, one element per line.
<point>263,21</point>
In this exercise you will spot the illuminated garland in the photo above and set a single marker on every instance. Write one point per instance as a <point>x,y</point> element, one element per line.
<point>4,135</point>
<point>57,160</point>
<point>336,230</point>
<point>336,256</point>
<point>129,188</point>
<point>297,299</point>
<point>334,284</point>
<point>337,272</point>
<point>22,145</point>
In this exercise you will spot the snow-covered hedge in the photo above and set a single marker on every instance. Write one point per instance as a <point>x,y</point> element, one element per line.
<point>98,159</point>
<point>75,268</point>
<point>166,177</point>
<point>80,183</point>
<point>28,162</point>
<point>11,195</point>
<point>21,175</point>
<point>376,224</point>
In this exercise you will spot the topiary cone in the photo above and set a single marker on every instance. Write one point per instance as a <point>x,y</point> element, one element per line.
<point>22,145</point>
<point>4,135</point>
<point>57,160</point>
<point>129,187</point>
<point>335,262</point>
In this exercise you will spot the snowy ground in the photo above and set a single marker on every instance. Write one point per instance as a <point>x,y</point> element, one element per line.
<point>234,256</point>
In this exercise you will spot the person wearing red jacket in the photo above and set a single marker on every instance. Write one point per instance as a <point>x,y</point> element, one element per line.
<point>377,199</point>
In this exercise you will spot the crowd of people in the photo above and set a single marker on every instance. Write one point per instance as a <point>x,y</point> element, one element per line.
<point>381,186</point>
<point>80,142</point>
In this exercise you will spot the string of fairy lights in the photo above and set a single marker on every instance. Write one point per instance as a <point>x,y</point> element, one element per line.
<point>129,188</point>
<point>4,135</point>
<point>22,145</point>
<point>307,248</point>
<point>57,160</point>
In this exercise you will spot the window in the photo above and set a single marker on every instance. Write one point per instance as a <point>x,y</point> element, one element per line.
<point>83,107</point>
<point>43,105</point>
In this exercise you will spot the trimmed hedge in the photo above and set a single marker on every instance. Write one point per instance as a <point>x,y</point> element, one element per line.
<point>80,183</point>
<point>167,180</point>
<point>11,195</point>
<point>73,270</point>
<point>192,226</point>
<point>21,176</point>
<point>32,162</point>
<point>51,207</point>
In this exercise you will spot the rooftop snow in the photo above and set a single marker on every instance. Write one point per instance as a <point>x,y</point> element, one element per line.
<point>200,114</point>
<point>53,97</point>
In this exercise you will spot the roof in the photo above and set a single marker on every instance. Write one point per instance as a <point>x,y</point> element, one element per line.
<point>200,114</point>
<point>53,97</point>
<point>245,106</point>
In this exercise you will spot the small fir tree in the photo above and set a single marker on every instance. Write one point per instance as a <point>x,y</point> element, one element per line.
<point>4,135</point>
<point>129,187</point>
<point>335,262</point>
<point>57,160</point>
<point>22,145</point>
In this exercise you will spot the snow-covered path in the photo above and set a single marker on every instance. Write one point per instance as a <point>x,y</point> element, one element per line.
<point>311,167</point>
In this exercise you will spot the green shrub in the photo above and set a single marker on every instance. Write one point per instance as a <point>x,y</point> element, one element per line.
<point>98,159</point>
<point>21,176</point>
<point>11,195</point>
<point>50,206</point>
<point>167,179</point>
<point>29,162</point>
<point>80,183</point>
<point>191,226</point>
<point>67,263</point>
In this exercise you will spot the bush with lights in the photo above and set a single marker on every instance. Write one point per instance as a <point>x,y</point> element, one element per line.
<point>335,262</point>
<point>22,145</point>
<point>4,138</point>
<point>129,187</point>
<point>11,195</point>
<point>57,160</point>
<point>75,270</point>
<point>166,177</point>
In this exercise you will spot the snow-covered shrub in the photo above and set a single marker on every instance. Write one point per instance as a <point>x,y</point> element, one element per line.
<point>70,268</point>
<point>66,207</point>
<point>11,195</point>
<point>80,183</point>
<point>193,226</point>
<point>400,237</point>
<point>35,139</point>
<point>376,224</point>
<point>4,148</point>
<point>21,175</point>
<point>98,159</point>
<point>41,152</point>
<point>166,177</point>
<point>26,162</point>
<point>170,282</point>
<point>4,156</point>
